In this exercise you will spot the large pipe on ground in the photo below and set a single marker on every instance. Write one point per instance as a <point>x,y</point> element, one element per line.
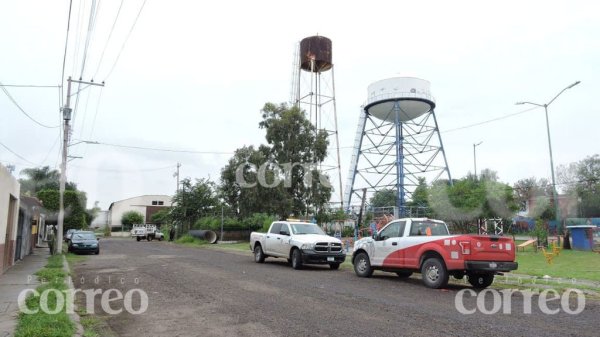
<point>207,235</point>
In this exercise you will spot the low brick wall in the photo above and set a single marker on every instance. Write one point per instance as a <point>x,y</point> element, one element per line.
<point>239,235</point>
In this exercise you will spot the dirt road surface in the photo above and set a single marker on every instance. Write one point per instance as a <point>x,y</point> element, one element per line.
<point>214,292</point>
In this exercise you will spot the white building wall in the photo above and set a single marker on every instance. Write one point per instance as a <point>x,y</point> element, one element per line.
<point>9,189</point>
<point>9,186</point>
<point>100,220</point>
<point>138,204</point>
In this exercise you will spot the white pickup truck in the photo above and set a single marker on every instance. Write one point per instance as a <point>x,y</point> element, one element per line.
<point>298,242</point>
<point>146,232</point>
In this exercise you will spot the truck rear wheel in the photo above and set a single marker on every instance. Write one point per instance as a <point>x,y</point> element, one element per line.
<point>362,265</point>
<point>149,237</point>
<point>296,259</point>
<point>259,255</point>
<point>434,273</point>
<point>480,281</point>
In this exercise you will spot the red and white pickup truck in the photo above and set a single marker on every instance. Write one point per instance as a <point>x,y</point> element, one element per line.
<point>425,245</point>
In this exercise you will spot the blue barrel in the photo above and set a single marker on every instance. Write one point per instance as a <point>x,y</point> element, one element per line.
<point>582,237</point>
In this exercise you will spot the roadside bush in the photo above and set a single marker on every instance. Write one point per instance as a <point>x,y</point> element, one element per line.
<point>347,231</point>
<point>188,239</point>
<point>254,222</point>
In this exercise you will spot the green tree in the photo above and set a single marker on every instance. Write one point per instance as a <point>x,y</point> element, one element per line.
<point>468,200</point>
<point>160,217</point>
<point>193,201</point>
<point>74,203</point>
<point>384,198</point>
<point>241,189</point>
<point>537,193</point>
<point>130,218</point>
<point>581,181</point>
<point>294,141</point>
<point>420,196</point>
<point>41,178</point>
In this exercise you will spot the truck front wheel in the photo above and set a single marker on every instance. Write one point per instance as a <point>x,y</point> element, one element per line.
<point>296,259</point>
<point>480,281</point>
<point>362,265</point>
<point>259,255</point>
<point>434,273</point>
<point>138,238</point>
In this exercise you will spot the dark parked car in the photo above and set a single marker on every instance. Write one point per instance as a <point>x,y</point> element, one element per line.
<point>67,236</point>
<point>82,242</point>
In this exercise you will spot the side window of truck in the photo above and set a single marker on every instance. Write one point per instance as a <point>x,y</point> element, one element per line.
<point>275,228</point>
<point>285,230</point>
<point>393,230</point>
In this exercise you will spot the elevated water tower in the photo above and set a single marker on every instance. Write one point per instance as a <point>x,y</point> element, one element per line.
<point>397,141</point>
<point>313,90</point>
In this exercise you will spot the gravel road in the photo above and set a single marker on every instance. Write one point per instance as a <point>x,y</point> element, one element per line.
<point>215,292</point>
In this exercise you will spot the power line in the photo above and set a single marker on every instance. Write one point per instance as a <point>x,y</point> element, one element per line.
<point>126,39</point>
<point>23,111</point>
<point>475,124</point>
<point>108,39</point>
<point>29,86</point>
<point>122,170</point>
<point>62,76</point>
<point>88,37</point>
<point>162,149</point>
<point>18,155</point>
<point>490,120</point>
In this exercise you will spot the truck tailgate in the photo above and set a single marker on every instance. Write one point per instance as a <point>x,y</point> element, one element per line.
<point>491,248</point>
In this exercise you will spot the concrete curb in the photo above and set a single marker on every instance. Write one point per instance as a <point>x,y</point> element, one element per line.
<point>74,316</point>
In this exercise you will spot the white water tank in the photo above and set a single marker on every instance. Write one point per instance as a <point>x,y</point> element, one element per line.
<point>413,96</point>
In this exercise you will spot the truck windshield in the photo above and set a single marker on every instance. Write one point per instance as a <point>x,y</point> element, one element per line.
<point>304,228</point>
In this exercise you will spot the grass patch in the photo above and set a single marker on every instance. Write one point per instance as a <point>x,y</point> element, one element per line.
<point>55,261</point>
<point>51,275</point>
<point>40,323</point>
<point>74,258</point>
<point>569,264</point>
<point>94,326</point>
<point>244,246</point>
<point>188,240</point>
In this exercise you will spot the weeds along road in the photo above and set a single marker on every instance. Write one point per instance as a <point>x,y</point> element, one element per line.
<point>212,292</point>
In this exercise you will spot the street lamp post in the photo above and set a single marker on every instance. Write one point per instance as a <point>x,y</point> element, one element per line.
<point>475,159</point>
<point>554,193</point>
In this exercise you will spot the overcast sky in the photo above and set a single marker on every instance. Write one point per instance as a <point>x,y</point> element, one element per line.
<point>194,76</point>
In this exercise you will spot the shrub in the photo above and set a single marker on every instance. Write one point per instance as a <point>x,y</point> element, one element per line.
<point>188,239</point>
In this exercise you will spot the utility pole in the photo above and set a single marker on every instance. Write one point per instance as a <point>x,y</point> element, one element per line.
<point>66,110</point>
<point>177,175</point>
<point>475,159</point>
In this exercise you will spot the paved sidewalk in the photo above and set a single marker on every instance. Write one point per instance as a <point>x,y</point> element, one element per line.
<point>12,282</point>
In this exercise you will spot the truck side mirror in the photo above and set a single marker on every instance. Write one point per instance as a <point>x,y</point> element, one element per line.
<point>375,237</point>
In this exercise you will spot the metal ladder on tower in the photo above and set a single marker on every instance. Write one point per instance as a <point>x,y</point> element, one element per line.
<point>362,119</point>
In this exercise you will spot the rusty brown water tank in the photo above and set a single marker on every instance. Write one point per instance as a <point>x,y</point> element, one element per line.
<point>317,48</point>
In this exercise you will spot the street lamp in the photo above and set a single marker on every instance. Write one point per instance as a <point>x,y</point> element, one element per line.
<point>554,193</point>
<point>475,159</point>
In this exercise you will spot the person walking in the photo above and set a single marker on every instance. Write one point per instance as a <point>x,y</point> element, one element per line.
<point>172,233</point>
<point>52,241</point>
